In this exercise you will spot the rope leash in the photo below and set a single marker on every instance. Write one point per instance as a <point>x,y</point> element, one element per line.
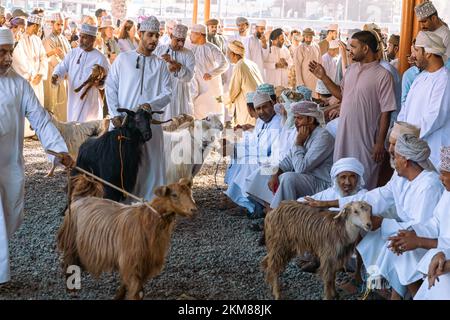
<point>93,176</point>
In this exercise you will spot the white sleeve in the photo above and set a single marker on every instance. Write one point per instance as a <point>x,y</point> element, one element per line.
<point>222,61</point>
<point>112,88</point>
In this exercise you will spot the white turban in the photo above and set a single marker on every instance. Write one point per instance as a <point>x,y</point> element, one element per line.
<point>249,97</point>
<point>56,17</point>
<point>345,165</point>
<point>240,20</point>
<point>151,24</point>
<point>333,27</point>
<point>260,98</point>
<point>334,44</point>
<point>6,36</point>
<point>414,149</point>
<point>431,42</point>
<point>401,128</point>
<point>200,28</point>
<point>261,23</point>
<point>171,24</point>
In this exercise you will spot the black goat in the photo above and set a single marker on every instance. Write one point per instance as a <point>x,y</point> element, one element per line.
<point>115,156</point>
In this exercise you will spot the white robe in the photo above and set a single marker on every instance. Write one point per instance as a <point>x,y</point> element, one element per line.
<point>255,52</point>
<point>331,67</point>
<point>258,148</point>
<point>77,65</point>
<point>412,201</point>
<point>29,60</point>
<point>441,290</point>
<point>274,76</point>
<point>181,102</point>
<point>444,33</point>
<point>209,59</point>
<point>129,87</point>
<point>427,107</point>
<point>18,101</point>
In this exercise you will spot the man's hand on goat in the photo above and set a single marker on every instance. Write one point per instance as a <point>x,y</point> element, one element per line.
<point>376,222</point>
<point>318,203</point>
<point>174,66</point>
<point>404,241</point>
<point>436,269</point>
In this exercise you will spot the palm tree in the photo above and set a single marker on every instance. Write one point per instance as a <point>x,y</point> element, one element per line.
<point>119,8</point>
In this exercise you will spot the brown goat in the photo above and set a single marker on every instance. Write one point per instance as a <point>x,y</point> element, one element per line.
<point>98,75</point>
<point>101,235</point>
<point>294,229</point>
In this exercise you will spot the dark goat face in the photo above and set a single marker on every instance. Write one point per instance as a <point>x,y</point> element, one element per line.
<point>140,120</point>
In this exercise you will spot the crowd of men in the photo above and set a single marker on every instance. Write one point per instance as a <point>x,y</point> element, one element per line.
<point>324,121</point>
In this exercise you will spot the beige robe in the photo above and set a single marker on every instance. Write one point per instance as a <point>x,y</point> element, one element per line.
<point>55,96</point>
<point>302,57</point>
<point>246,78</point>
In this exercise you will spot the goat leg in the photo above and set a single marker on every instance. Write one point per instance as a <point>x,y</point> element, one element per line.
<point>86,91</point>
<point>121,292</point>
<point>51,173</point>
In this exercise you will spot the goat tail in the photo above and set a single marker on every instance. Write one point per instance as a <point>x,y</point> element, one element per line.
<point>66,241</point>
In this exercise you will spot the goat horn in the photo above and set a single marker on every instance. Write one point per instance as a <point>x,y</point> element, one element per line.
<point>160,122</point>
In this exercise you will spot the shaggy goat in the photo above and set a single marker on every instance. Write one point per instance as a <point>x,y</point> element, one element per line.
<point>294,229</point>
<point>101,235</point>
<point>187,146</point>
<point>76,133</point>
<point>116,155</point>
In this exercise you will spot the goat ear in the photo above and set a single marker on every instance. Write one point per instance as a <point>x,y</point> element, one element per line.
<point>128,112</point>
<point>162,191</point>
<point>186,181</point>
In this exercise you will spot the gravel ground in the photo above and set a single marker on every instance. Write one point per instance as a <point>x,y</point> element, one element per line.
<point>213,256</point>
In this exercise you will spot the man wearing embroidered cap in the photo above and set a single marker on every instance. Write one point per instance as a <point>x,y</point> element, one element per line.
<point>436,233</point>
<point>332,35</point>
<point>215,38</point>
<point>17,101</point>
<point>57,47</point>
<point>30,60</point>
<point>429,21</point>
<point>246,77</point>
<point>427,103</point>
<point>211,63</point>
<point>77,66</point>
<point>146,82</point>
<point>307,52</point>
<point>257,148</point>
<point>181,65</point>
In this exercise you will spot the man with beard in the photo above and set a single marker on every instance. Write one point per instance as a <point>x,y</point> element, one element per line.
<point>429,21</point>
<point>332,34</point>
<point>17,101</point>
<point>413,190</point>
<point>368,98</point>
<point>139,78</point>
<point>427,103</point>
<point>181,64</point>
<point>57,47</point>
<point>307,52</point>
<point>257,46</point>
<point>214,37</point>
<point>393,50</point>
<point>277,61</point>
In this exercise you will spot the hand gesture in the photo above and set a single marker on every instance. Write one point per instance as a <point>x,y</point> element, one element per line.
<point>274,183</point>
<point>316,203</point>
<point>317,69</point>
<point>404,241</point>
<point>333,114</point>
<point>302,135</point>
<point>436,269</point>
<point>166,57</point>
<point>378,152</point>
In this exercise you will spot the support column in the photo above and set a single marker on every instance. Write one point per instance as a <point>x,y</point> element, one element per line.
<point>410,28</point>
<point>195,12</point>
<point>207,9</point>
